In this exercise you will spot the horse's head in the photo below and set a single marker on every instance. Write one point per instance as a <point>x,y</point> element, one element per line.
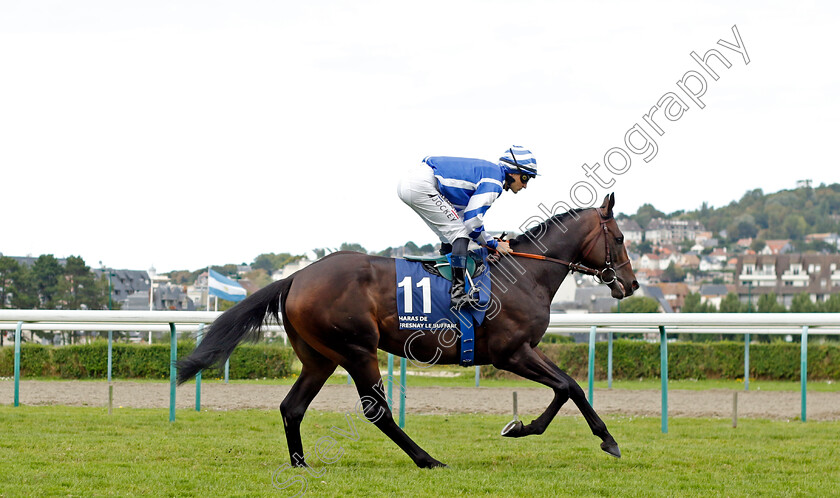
<point>604,250</point>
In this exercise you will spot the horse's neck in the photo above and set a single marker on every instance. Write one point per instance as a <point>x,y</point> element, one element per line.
<point>566,246</point>
<point>559,244</point>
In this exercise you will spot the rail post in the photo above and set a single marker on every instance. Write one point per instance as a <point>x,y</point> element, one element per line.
<point>199,336</point>
<point>609,359</point>
<point>173,356</point>
<point>402,393</point>
<point>110,352</point>
<point>477,375</point>
<point>390,381</point>
<point>592,364</point>
<point>17,363</point>
<point>804,370</point>
<point>663,351</point>
<point>747,361</point>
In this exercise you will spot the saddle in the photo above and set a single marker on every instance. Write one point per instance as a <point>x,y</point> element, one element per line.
<point>439,265</point>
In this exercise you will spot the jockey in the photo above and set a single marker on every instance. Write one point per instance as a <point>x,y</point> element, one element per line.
<point>451,194</point>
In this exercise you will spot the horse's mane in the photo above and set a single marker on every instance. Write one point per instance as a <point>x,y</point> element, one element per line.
<point>534,231</point>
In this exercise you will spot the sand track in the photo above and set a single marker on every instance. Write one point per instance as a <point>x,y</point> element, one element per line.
<point>431,400</point>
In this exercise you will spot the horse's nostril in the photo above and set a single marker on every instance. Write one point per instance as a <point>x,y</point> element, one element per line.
<point>635,285</point>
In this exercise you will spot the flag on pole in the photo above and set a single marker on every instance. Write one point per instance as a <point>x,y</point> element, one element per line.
<point>225,288</point>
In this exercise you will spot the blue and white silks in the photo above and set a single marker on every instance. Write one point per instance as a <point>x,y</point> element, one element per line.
<point>471,186</point>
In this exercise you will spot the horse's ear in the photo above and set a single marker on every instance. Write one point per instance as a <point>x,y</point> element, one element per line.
<point>607,205</point>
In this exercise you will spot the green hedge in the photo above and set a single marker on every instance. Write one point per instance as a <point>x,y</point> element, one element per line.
<point>688,360</point>
<point>134,361</point>
<point>631,360</point>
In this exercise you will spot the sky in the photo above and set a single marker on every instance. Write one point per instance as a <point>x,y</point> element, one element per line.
<point>176,134</point>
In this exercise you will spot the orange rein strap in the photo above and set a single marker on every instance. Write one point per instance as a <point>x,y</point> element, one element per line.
<point>572,266</point>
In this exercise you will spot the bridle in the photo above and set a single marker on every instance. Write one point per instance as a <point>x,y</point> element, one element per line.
<point>600,275</point>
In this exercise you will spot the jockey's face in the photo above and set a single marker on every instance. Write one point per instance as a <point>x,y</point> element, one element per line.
<point>517,184</point>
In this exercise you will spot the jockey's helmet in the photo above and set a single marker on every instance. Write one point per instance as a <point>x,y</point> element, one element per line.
<point>518,160</point>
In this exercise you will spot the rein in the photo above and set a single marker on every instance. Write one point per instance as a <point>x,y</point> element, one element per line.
<point>577,267</point>
<point>572,266</point>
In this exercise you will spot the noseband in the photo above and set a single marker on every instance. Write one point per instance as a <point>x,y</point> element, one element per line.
<point>606,275</point>
<point>608,269</point>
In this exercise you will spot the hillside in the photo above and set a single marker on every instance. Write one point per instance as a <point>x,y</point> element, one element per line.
<point>787,214</point>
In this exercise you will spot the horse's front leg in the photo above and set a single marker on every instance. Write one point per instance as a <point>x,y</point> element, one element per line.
<point>532,364</point>
<point>527,363</point>
<point>599,428</point>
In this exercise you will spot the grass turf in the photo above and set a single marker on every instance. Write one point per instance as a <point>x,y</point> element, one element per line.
<point>73,451</point>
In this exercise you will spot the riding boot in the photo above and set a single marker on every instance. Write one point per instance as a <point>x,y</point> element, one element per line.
<point>458,294</point>
<point>445,248</point>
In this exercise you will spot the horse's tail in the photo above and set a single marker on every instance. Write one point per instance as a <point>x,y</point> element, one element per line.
<point>243,321</point>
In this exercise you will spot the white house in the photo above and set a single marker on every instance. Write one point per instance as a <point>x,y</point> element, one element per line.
<point>670,231</point>
<point>290,268</point>
<point>631,230</point>
<point>710,264</point>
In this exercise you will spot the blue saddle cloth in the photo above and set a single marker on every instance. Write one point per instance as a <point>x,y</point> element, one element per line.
<point>423,302</point>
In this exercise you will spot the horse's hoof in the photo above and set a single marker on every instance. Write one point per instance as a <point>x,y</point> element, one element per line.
<point>611,447</point>
<point>431,463</point>
<point>513,429</point>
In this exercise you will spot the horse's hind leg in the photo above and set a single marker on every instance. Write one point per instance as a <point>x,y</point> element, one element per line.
<point>315,371</point>
<point>372,397</point>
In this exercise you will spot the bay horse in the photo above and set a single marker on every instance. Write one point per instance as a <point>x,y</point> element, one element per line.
<point>342,308</point>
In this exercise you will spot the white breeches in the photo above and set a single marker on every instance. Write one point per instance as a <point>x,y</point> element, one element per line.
<point>418,189</point>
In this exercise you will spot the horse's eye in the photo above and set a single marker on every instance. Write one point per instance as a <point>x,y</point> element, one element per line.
<point>620,240</point>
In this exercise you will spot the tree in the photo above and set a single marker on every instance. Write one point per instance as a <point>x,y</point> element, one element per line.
<point>820,246</point>
<point>184,277</point>
<point>802,304</point>
<point>259,277</point>
<point>832,304</point>
<point>8,270</point>
<point>644,248</point>
<point>411,248</point>
<point>674,273</point>
<point>22,289</point>
<point>731,304</point>
<point>692,304</point>
<point>746,229</point>
<point>795,226</point>
<point>79,288</point>
<point>264,262</point>
<point>645,213</point>
<point>639,304</point>
<point>757,245</point>
<point>46,272</point>
<point>742,227</point>
<point>352,247</point>
<point>228,270</point>
<point>271,262</point>
<point>769,303</point>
